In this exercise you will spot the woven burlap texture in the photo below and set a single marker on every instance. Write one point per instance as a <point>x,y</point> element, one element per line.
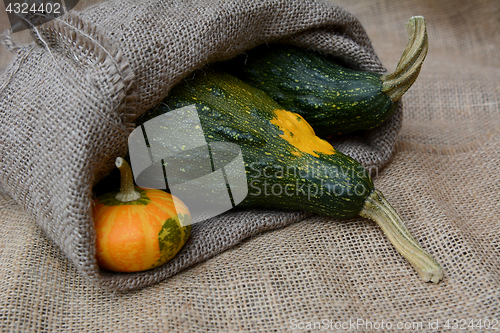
<point>444,180</point>
<point>70,99</point>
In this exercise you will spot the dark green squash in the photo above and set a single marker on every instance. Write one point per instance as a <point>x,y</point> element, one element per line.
<point>332,98</point>
<point>288,167</point>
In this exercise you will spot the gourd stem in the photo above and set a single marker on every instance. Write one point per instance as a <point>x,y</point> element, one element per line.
<point>377,208</point>
<point>397,83</point>
<point>127,190</point>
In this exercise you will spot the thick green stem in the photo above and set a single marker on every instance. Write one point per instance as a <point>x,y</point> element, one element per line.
<point>377,208</point>
<point>127,190</point>
<point>397,83</point>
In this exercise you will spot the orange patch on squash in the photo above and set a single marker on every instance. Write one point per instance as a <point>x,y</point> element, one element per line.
<point>298,132</point>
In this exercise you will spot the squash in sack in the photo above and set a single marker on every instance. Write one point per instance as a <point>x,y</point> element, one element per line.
<point>287,165</point>
<point>138,229</point>
<point>334,99</point>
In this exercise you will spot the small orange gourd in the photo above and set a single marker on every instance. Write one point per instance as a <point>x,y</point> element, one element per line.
<point>138,229</point>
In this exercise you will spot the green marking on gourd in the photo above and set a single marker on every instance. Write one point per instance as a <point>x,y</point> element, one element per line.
<point>171,237</point>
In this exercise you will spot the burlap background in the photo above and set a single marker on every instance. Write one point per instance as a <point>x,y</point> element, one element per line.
<point>443,180</point>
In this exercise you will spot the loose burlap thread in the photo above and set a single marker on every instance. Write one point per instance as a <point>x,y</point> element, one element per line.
<point>69,102</point>
<point>443,180</point>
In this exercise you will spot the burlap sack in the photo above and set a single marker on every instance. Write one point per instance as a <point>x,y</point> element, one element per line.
<point>69,102</point>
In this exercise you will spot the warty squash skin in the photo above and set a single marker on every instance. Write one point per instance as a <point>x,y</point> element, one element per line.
<point>334,99</point>
<point>288,167</point>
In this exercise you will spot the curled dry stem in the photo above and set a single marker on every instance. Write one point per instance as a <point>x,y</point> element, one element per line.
<point>377,208</point>
<point>398,82</point>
